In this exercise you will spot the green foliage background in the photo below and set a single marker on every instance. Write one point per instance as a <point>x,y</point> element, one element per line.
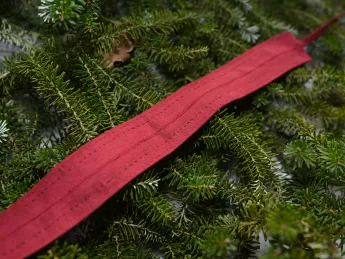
<point>271,165</point>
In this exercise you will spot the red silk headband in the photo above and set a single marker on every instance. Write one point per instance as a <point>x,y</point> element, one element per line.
<point>84,180</point>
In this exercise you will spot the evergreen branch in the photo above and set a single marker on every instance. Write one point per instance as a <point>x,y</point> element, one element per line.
<point>58,93</point>
<point>304,96</point>
<point>128,230</point>
<point>64,251</point>
<point>122,249</point>
<point>298,153</point>
<point>241,137</point>
<point>17,38</point>
<point>273,24</point>
<point>163,22</point>
<point>183,217</point>
<point>158,210</point>
<point>290,122</point>
<point>236,43</point>
<point>48,80</point>
<point>196,177</point>
<point>237,18</point>
<point>89,76</point>
<point>61,12</point>
<point>245,4</point>
<point>324,74</point>
<point>174,55</point>
<point>147,99</point>
<point>218,243</point>
<point>216,202</point>
<point>143,188</point>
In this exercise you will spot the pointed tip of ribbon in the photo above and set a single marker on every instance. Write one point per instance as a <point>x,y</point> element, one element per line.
<point>315,34</point>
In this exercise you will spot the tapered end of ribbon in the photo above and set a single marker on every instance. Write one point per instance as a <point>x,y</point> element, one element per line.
<point>315,34</point>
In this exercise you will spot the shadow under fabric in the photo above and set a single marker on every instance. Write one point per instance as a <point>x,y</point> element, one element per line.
<point>84,180</point>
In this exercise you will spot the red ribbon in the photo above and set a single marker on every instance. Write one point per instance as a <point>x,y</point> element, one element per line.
<point>84,180</point>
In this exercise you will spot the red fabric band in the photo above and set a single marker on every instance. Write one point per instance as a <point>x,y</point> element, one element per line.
<point>315,34</point>
<point>84,180</point>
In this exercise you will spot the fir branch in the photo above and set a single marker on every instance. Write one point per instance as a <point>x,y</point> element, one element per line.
<point>61,12</point>
<point>174,56</point>
<point>65,250</point>
<point>237,18</point>
<point>142,188</point>
<point>158,210</point>
<point>163,22</point>
<point>240,136</point>
<point>196,177</point>
<point>48,80</point>
<point>125,86</point>
<point>298,153</point>
<point>129,230</point>
<point>210,204</point>
<point>88,75</point>
<point>58,93</point>
<point>17,37</point>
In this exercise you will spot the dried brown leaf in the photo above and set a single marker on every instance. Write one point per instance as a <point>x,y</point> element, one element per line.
<point>120,51</point>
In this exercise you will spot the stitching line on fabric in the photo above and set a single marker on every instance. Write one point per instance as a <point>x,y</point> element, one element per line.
<point>125,132</point>
<point>101,137</point>
<point>134,174</point>
<point>174,119</point>
<point>129,149</point>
